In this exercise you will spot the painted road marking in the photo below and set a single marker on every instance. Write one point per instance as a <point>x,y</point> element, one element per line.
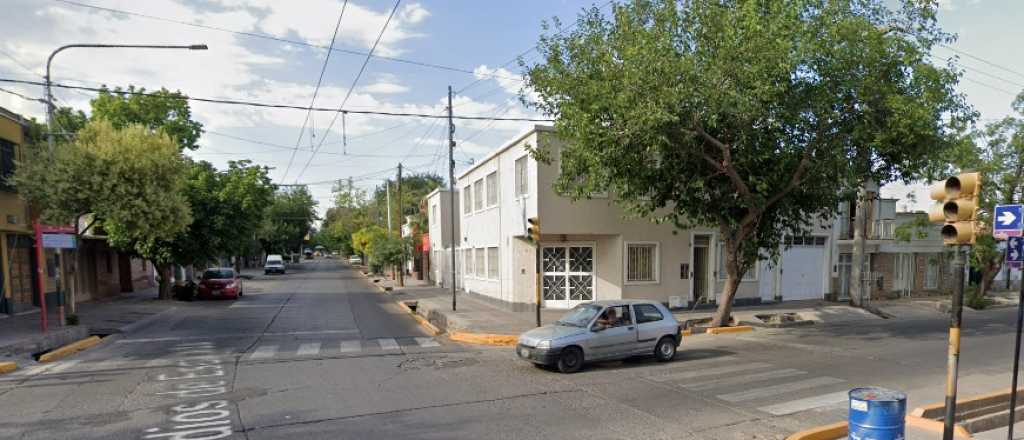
<point>62,366</point>
<point>780,389</point>
<point>236,335</point>
<point>350,346</point>
<point>427,342</point>
<point>777,374</point>
<point>708,372</point>
<point>264,352</point>
<point>388,344</point>
<point>794,406</point>
<point>309,349</point>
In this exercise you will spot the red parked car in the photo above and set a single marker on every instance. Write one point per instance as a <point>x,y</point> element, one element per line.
<point>221,282</point>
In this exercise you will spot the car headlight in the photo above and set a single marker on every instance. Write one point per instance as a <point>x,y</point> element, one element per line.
<point>544,344</point>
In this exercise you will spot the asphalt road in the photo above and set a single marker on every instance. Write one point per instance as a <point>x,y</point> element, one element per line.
<point>318,354</point>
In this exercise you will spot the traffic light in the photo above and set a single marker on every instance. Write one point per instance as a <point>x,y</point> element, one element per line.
<point>957,208</point>
<point>533,231</point>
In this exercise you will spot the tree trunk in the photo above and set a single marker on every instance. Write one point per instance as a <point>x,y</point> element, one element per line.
<point>988,275</point>
<point>732,282</point>
<point>163,280</point>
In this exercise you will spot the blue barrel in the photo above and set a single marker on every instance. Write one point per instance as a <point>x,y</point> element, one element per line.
<point>877,414</point>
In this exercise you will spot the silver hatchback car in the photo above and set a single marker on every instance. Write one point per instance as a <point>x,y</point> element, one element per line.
<point>603,330</point>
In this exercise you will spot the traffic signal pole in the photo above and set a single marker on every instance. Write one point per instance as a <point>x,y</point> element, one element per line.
<point>1016,359</point>
<point>953,354</point>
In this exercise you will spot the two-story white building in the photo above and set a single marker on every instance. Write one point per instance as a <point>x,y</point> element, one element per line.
<point>590,250</point>
<point>440,225</point>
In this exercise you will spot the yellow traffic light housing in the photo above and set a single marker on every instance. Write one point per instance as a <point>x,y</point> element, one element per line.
<point>533,231</point>
<point>957,208</point>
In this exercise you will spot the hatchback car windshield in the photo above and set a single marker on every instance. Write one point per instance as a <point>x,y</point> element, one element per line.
<point>580,315</point>
<point>218,274</point>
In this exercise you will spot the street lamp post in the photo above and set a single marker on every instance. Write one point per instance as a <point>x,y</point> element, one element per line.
<point>49,90</point>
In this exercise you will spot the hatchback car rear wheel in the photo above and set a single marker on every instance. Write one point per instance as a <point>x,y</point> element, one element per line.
<point>571,360</point>
<point>665,350</point>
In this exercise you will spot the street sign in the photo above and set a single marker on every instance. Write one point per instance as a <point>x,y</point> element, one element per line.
<point>1007,221</point>
<point>59,241</point>
<point>1015,251</point>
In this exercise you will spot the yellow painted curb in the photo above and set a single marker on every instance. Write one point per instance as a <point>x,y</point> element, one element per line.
<point>423,321</point>
<point>7,367</point>
<point>484,338</point>
<point>733,329</point>
<point>69,349</point>
<point>826,432</point>
<point>688,332</point>
<point>936,426</point>
<point>939,408</point>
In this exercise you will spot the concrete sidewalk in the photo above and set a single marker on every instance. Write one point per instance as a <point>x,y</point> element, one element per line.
<point>21,335</point>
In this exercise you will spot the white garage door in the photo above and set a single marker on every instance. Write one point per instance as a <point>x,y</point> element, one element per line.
<point>802,268</point>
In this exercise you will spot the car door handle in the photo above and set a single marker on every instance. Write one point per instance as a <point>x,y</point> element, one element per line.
<point>631,328</point>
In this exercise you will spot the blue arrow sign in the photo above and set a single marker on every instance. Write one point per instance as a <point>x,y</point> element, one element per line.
<point>1007,221</point>
<point>1015,249</point>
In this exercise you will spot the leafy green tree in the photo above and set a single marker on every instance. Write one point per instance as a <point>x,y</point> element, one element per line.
<point>350,213</point>
<point>744,115</point>
<point>386,251</point>
<point>161,110</point>
<point>66,122</point>
<point>414,188</point>
<point>287,220</point>
<point>131,179</point>
<point>364,237</point>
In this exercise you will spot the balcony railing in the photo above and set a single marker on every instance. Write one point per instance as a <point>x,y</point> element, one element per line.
<point>877,230</point>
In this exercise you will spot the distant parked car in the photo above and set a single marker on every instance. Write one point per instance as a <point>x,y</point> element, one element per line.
<point>221,282</point>
<point>603,330</point>
<point>355,259</point>
<point>275,264</point>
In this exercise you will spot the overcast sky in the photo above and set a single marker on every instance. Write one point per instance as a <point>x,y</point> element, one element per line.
<point>470,36</point>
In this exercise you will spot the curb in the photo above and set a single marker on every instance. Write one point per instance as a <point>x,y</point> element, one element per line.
<point>423,321</point>
<point>69,349</point>
<point>733,329</point>
<point>936,426</point>
<point>484,338</point>
<point>826,432</point>
<point>7,367</point>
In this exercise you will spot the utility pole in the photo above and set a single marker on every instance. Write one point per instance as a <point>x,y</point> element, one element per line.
<point>387,191</point>
<point>451,189</point>
<point>401,221</point>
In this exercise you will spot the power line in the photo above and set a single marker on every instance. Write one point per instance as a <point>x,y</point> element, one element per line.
<point>351,88</point>
<point>274,106</point>
<point>976,70</point>
<point>286,147</point>
<point>316,91</point>
<point>983,60</point>
<point>278,39</point>
<point>27,98</point>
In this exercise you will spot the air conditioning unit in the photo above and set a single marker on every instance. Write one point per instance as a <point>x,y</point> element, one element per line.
<point>675,302</point>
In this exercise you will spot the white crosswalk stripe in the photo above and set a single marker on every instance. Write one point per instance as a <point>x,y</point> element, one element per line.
<point>264,352</point>
<point>309,349</point>
<point>350,346</point>
<point>388,344</point>
<point>780,389</point>
<point>709,372</point>
<point>427,342</point>
<point>798,405</point>
<point>710,384</point>
<point>62,366</point>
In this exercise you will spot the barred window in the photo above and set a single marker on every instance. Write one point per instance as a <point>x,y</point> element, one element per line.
<point>641,262</point>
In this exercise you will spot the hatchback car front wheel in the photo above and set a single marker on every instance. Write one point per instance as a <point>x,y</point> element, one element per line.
<point>570,360</point>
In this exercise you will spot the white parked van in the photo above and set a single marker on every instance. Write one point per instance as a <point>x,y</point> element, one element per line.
<point>275,264</point>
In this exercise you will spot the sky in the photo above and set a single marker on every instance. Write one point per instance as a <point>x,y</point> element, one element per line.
<point>471,45</point>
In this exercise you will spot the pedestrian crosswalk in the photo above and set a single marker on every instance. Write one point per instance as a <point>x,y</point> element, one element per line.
<point>769,388</point>
<point>319,348</point>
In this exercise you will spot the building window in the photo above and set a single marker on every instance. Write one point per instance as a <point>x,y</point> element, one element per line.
<point>641,262</point>
<point>470,259</point>
<point>522,182</point>
<point>478,195</point>
<point>492,263</point>
<point>568,275</point>
<point>7,159</point>
<point>433,214</point>
<point>492,189</point>
<point>750,275</point>
<point>481,265</point>
<point>467,200</point>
